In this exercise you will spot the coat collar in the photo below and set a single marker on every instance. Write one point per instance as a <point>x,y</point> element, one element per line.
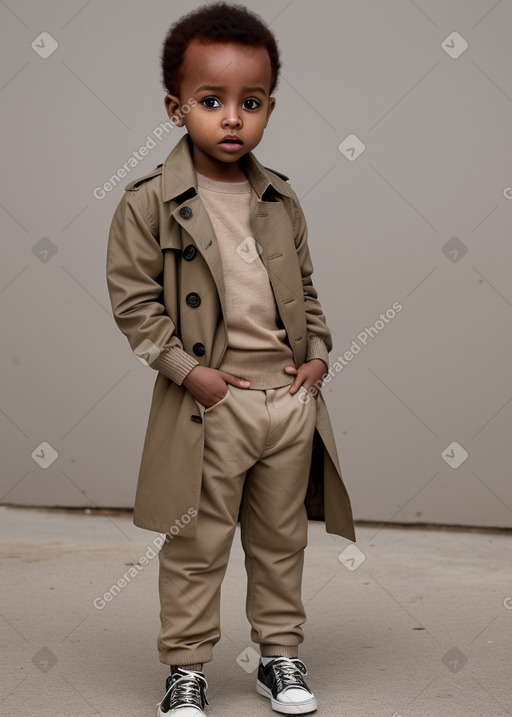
<point>178,175</point>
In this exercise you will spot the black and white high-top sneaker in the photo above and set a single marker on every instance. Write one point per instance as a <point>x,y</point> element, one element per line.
<point>282,682</point>
<point>185,694</point>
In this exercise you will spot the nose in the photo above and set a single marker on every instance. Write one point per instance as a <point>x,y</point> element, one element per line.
<point>232,117</point>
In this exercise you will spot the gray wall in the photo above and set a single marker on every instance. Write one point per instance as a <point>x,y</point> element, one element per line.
<point>421,218</point>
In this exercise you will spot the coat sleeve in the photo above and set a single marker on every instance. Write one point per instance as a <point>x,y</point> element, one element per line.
<point>319,336</point>
<point>134,271</point>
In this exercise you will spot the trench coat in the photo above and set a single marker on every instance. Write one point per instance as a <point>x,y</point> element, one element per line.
<point>158,216</point>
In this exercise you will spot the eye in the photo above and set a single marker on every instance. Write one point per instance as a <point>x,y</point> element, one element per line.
<point>210,102</point>
<point>251,104</point>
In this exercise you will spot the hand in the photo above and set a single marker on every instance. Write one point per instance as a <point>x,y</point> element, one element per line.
<point>307,375</point>
<point>209,385</point>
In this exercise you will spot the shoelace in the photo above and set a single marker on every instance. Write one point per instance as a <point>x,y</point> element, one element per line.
<point>188,688</point>
<point>288,672</point>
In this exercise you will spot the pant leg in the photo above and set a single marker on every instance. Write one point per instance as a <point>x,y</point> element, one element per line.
<point>274,524</point>
<point>192,570</point>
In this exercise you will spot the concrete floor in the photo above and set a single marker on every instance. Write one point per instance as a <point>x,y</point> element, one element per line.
<point>418,624</point>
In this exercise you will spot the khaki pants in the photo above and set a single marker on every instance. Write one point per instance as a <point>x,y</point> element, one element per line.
<point>257,455</point>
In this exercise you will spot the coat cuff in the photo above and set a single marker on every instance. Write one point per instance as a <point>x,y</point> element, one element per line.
<point>174,363</point>
<point>317,349</point>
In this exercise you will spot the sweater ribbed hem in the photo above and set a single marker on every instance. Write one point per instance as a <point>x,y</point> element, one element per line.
<point>264,369</point>
<point>175,363</point>
<point>271,381</point>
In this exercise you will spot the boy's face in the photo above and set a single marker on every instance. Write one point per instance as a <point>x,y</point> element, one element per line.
<point>230,83</point>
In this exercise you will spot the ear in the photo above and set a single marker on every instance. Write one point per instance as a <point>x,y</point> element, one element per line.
<point>271,105</point>
<point>172,105</point>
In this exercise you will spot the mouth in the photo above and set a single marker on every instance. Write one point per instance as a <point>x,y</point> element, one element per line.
<point>231,143</point>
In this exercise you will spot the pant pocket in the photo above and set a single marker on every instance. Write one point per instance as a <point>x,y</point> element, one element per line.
<point>305,396</point>
<point>224,398</point>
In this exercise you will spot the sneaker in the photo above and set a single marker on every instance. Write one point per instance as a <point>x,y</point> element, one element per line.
<point>185,694</point>
<point>281,681</point>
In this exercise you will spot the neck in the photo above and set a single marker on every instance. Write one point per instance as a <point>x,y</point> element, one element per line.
<point>218,171</point>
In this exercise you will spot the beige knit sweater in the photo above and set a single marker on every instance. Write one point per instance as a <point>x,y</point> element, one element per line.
<point>257,349</point>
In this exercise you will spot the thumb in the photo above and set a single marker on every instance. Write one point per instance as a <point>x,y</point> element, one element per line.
<point>292,371</point>
<point>235,380</point>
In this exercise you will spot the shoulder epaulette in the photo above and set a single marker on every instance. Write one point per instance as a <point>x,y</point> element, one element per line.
<point>279,174</point>
<point>134,185</point>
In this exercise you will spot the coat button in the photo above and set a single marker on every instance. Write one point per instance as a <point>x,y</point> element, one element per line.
<point>189,252</point>
<point>193,299</point>
<point>185,212</point>
<point>199,349</point>
<point>196,419</point>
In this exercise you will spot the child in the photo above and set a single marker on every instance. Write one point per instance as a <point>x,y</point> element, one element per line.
<point>209,276</point>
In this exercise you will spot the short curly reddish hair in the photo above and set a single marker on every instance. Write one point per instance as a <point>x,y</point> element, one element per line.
<point>220,22</point>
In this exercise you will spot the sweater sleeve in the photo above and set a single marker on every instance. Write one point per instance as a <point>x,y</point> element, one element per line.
<point>174,363</point>
<point>317,349</point>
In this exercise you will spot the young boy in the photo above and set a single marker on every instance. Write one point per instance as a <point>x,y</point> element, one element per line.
<point>209,276</point>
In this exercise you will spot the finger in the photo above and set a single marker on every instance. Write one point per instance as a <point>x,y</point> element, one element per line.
<point>291,370</point>
<point>235,380</point>
<point>295,385</point>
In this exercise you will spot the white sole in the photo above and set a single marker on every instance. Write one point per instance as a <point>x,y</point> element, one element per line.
<point>182,712</point>
<point>287,709</point>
